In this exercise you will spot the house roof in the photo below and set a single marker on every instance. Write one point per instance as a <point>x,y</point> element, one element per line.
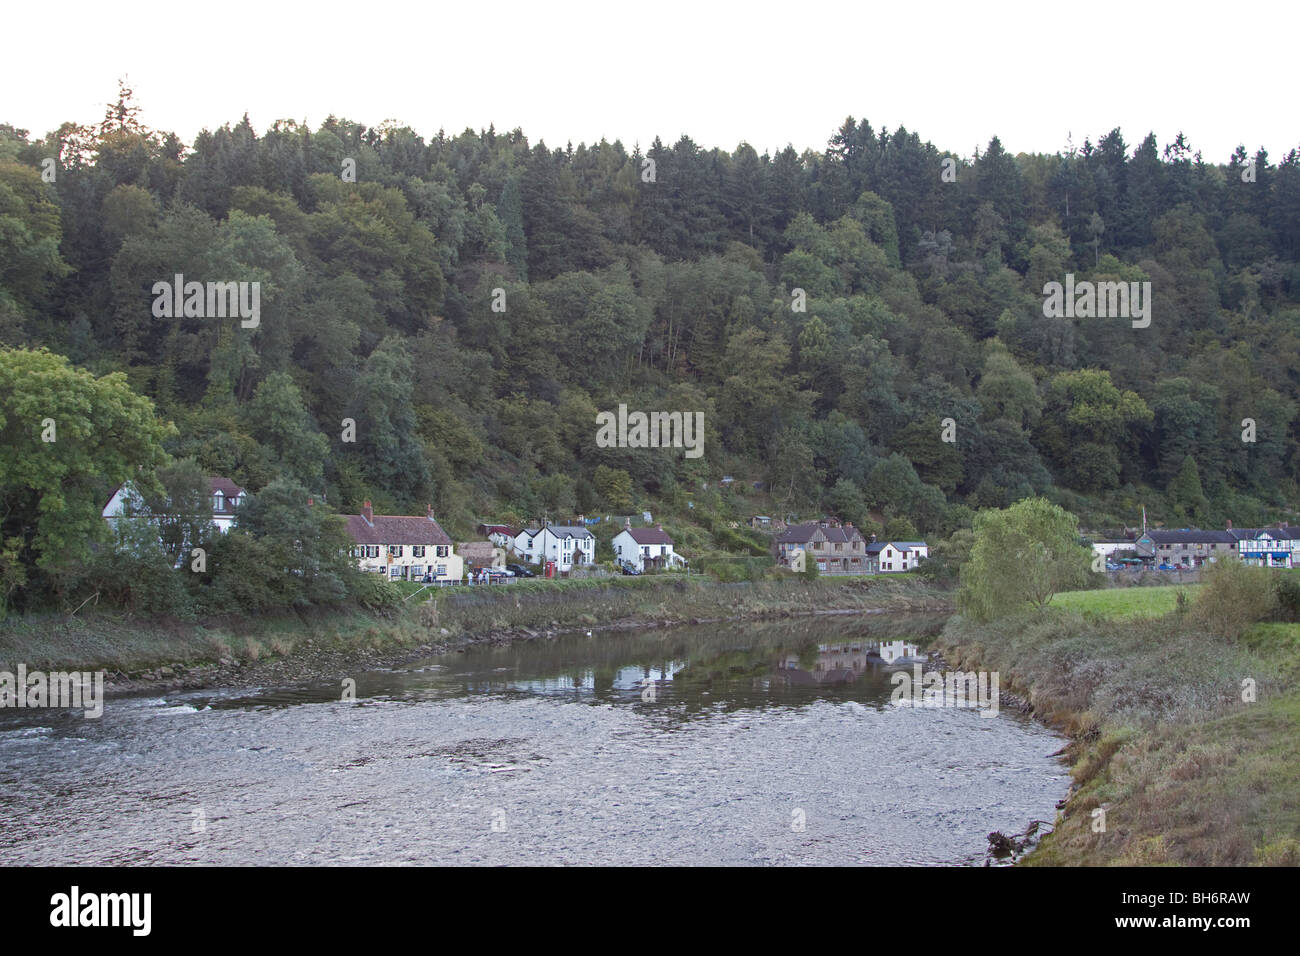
<point>803,533</point>
<point>798,534</point>
<point>648,535</point>
<point>396,529</point>
<point>229,490</point>
<point>1278,534</point>
<point>499,528</point>
<point>1192,536</point>
<point>879,546</point>
<point>569,531</point>
<point>477,552</point>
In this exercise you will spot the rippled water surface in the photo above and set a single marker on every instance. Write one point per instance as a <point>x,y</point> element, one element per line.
<point>774,744</point>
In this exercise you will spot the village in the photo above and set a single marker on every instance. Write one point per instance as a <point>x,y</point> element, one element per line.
<point>415,548</point>
<point>1187,549</point>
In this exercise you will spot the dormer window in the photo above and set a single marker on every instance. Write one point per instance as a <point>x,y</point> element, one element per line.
<point>218,502</point>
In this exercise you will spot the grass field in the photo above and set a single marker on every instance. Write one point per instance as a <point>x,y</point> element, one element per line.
<point>1124,602</point>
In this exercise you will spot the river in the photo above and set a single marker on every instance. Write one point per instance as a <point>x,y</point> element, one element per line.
<point>772,744</point>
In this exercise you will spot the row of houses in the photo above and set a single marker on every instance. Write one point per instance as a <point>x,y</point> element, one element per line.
<point>841,549</point>
<point>564,547</point>
<point>1274,547</point>
<point>416,548</point>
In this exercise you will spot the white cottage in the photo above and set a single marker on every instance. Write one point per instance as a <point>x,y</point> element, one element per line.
<point>645,548</point>
<point>891,557</point>
<point>404,547</point>
<point>225,496</point>
<point>567,546</point>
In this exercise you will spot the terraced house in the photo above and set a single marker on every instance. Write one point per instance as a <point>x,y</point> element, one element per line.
<point>1187,547</point>
<point>837,549</point>
<point>404,547</point>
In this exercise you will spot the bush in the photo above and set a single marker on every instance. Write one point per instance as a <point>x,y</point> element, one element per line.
<point>1288,597</point>
<point>1234,596</point>
<point>374,591</point>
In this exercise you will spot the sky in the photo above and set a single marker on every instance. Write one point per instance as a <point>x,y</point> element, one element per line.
<point>770,74</point>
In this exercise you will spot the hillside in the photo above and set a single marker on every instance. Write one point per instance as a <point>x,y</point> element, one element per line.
<point>863,329</point>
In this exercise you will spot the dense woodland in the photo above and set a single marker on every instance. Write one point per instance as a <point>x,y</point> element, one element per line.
<point>924,302</point>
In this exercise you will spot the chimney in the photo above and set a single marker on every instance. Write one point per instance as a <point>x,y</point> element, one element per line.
<point>627,522</point>
<point>368,513</point>
<point>582,519</point>
<point>873,539</point>
<point>1229,524</point>
<point>428,512</point>
<point>658,527</point>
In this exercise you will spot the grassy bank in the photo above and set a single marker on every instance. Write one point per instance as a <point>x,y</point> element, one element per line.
<point>1185,770</point>
<point>135,647</point>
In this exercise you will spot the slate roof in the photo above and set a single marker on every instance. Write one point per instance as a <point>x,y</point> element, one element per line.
<point>798,534</point>
<point>1192,536</point>
<point>396,529</point>
<point>879,546</point>
<point>803,533</point>
<point>569,531</point>
<point>1281,534</point>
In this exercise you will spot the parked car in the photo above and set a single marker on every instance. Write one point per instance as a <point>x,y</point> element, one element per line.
<point>1112,566</point>
<point>1167,567</point>
<point>630,568</point>
<point>519,571</point>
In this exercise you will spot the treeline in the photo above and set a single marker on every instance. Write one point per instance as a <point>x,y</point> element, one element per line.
<point>669,278</point>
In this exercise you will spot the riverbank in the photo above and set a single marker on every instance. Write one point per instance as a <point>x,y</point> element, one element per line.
<point>156,653</point>
<point>1185,745</point>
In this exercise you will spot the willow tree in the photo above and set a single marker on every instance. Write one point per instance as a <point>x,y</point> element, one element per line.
<point>1022,555</point>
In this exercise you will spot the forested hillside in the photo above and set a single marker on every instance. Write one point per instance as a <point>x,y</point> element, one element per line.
<point>671,284</point>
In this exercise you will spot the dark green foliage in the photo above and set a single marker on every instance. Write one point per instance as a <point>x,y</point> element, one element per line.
<point>921,303</point>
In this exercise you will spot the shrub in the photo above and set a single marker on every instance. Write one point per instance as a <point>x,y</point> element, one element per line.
<point>1234,596</point>
<point>374,591</point>
<point>1288,597</point>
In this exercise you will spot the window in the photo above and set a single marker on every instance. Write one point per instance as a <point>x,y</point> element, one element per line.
<point>218,502</point>
<point>441,550</point>
<point>442,571</point>
<point>372,550</point>
<point>417,550</point>
<point>394,550</point>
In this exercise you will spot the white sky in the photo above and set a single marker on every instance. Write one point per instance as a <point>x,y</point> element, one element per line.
<point>766,73</point>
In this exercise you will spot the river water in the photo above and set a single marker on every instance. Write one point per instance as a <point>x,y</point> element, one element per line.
<point>770,744</point>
